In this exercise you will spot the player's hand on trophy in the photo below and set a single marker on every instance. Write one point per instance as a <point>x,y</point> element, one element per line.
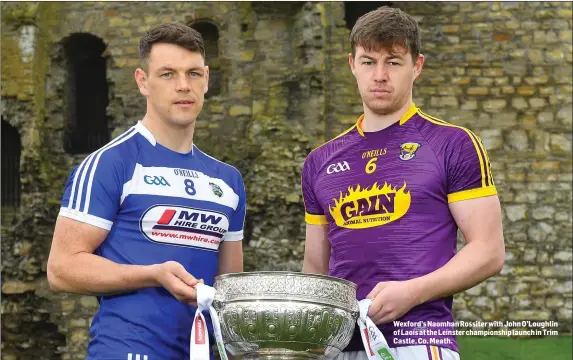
<point>181,284</point>
<point>391,300</point>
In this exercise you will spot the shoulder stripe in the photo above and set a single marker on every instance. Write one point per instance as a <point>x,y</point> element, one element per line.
<point>81,173</point>
<point>336,137</point>
<point>92,173</point>
<point>76,194</point>
<point>485,166</point>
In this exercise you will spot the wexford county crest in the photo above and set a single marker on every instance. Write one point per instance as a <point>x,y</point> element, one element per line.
<point>408,150</point>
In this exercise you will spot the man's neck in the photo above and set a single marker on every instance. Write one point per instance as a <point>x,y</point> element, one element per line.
<point>376,122</point>
<point>178,139</point>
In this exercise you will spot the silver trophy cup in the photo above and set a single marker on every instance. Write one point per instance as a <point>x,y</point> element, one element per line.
<point>285,315</point>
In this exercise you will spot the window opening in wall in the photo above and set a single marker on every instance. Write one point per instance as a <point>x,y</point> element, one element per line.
<point>11,150</point>
<point>353,10</point>
<point>210,34</point>
<point>86,94</point>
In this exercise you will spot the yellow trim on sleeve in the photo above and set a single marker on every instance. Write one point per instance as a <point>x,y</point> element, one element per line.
<point>472,194</point>
<point>315,219</point>
<point>482,162</point>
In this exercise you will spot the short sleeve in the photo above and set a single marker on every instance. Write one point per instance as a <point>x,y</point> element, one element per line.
<point>93,191</point>
<point>237,221</point>
<point>314,214</point>
<point>469,173</point>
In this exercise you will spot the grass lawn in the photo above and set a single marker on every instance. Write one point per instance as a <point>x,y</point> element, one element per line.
<point>493,348</point>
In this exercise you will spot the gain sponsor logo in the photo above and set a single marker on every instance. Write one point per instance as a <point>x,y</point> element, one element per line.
<point>369,207</point>
<point>184,226</point>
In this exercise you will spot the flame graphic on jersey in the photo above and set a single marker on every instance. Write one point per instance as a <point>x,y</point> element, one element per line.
<point>370,207</point>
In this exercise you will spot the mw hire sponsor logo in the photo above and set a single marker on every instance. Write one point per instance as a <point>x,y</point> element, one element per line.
<point>369,207</point>
<point>186,226</point>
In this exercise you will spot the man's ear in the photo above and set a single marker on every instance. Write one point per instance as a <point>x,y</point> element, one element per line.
<point>141,80</point>
<point>418,66</point>
<point>206,86</point>
<point>351,63</point>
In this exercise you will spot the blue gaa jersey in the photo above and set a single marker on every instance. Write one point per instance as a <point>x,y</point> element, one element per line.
<point>158,205</point>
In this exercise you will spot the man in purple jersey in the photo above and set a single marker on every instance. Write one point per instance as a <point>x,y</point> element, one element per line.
<point>384,200</point>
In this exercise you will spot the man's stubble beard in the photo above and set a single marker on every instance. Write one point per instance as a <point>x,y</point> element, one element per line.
<point>378,108</point>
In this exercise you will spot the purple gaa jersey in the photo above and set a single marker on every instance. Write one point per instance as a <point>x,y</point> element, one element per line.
<point>385,196</point>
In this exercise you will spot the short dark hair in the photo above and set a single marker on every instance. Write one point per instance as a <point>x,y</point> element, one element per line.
<point>170,33</point>
<point>384,28</point>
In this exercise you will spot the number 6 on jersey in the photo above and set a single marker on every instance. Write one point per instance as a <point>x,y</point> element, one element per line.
<point>371,165</point>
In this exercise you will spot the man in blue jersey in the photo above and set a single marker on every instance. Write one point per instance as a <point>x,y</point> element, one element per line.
<point>385,199</point>
<point>149,215</point>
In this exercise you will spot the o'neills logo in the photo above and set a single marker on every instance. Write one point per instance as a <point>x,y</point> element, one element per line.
<point>199,331</point>
<point>370,207</point>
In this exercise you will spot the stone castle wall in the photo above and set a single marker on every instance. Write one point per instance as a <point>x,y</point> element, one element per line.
<point>501,69</point>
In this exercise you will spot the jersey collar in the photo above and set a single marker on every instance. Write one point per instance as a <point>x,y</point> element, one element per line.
<point>407,115</point>
<point>149,136</point>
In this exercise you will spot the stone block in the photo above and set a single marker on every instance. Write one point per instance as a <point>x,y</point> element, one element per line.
<point>557,271</point>
<point>502,302</point>
<point>496,289</point>
<point>564,314</point>
<point>515,212</point>
<point>518,140</point>
<point>521,301</point>
<point>560,143</point>
<point>564,115</point>
<point>469,105</point>
<point>237,110</point>
<point>517,287</point>
<point>562,216</point>
<point>477,91</point>
<point>543,213</point>
<point>78,323</point>
<point>11,287</point>
<point>526,90</point>
<point>526,197</point>
<point>476,290</point>
<point>68,305</point>
<point>118,22</point>
<point>492,139</point>
<point>554,302</point>
<point>483,302</point>
<point>79,336</point>
<point>519,103</point>
<point>525,270</point>
<point>89,302</point>
<point>536,103</point>
<point>537,315</point>
<point>562,287</point>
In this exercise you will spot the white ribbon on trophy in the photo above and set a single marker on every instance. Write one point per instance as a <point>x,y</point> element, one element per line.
<point>374,342</point>
<point>199,343</point>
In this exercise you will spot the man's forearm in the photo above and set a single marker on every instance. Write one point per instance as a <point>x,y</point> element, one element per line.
<point>86,273</point>
<point>473,264</point>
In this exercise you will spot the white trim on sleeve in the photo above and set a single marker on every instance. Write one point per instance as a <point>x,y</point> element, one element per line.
<point>86,218</point>
<point>233,236</point>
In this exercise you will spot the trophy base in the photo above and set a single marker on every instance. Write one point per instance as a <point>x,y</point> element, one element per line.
<point>286,354</point>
